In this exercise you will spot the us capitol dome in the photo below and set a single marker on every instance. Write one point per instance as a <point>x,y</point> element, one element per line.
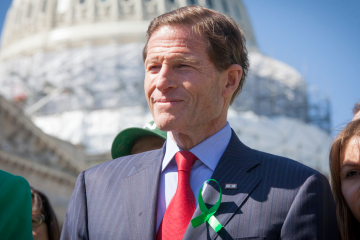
<point>75,68</point>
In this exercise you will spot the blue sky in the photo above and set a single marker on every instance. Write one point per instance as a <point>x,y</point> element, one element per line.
<point>320,38</point>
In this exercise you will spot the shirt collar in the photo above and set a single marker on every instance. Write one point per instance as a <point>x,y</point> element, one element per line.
<point>205,151</point>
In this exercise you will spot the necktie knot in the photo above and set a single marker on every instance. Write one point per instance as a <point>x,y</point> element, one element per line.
<point>185,160</point>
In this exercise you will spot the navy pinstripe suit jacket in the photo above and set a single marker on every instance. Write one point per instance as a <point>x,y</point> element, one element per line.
<point>276,198</point>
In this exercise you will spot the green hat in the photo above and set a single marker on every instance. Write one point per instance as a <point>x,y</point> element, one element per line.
<point>125,140</point>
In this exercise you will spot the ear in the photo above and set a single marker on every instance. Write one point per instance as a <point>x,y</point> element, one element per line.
<point>233,76</point>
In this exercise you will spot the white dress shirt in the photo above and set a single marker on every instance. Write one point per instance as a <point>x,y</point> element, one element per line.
<point>208,152</point>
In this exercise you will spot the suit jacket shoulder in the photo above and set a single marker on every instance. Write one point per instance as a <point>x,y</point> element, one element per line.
<point>120,168</point>
<point>281,169</point>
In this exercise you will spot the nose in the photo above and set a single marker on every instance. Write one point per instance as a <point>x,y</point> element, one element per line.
<point>166,79</point>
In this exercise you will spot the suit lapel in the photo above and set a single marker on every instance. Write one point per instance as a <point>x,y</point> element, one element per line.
<point>233,167</point>
<point>142,188</point>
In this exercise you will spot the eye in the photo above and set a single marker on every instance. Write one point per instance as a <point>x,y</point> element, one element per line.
<point>154,68</point>
<point>351,173</point>
<point>184,66</point>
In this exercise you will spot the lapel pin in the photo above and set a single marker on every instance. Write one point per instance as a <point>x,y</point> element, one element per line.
<point>230,186</point>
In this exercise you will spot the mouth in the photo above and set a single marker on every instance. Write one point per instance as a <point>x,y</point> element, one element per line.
<point>165,102</point>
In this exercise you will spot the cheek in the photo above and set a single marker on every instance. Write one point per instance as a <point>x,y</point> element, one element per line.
<point>147,88</point>
<point>40,231</point>
<point>350,191</point>
<point>214,96</point>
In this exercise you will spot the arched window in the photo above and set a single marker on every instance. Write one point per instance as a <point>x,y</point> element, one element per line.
<point>237,12</point>
<point>44,5</point>
<point>193,2</point>
<point>225,6</point>
<point>209,4</point>
<point>29,12</point>
<point>18,16</point>
<point>81,1</point>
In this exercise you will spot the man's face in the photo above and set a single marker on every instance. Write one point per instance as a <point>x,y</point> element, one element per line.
<point>182,86</point>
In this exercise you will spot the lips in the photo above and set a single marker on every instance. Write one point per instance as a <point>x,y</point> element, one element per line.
<point>164,101</point>
<point>164,104</point>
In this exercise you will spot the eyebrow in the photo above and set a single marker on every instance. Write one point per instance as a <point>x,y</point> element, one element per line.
<point>174,59</point>
<point>350,165</point>
<point>185,59</point>
<point>152,60</point>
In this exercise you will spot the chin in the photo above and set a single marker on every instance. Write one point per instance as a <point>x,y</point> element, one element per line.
<point>167,123</point>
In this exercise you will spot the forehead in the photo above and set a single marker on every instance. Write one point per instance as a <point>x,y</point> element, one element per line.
<point>176,40</point>
<point>352,151</point>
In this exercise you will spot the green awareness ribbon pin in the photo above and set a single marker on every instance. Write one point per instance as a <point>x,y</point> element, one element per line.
<point>207,215</point>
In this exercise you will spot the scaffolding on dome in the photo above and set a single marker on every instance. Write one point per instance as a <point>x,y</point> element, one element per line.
<point>108,77</point>
<point>275,89</point>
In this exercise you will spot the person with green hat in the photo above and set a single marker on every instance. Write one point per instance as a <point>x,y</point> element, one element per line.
<point>137,140</point>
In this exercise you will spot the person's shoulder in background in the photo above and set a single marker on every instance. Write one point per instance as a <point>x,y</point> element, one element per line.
<point>15,207</point>
<point>301,192</point>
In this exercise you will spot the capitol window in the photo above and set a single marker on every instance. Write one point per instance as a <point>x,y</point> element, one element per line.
<point>18,16</point>
<point>193,2</point>
<point>237,12</point>
<point>29,11</point>
<point>209,3</point>
<point>44,5</point>
<point>225,6</point>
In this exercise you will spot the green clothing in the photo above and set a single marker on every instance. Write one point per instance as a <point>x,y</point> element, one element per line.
<point>15,208</point>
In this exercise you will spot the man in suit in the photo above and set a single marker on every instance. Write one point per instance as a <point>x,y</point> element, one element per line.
<point>196,64</point>
<point>15,207</point>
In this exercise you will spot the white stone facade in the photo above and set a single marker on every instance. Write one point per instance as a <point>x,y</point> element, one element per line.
<point>48,164</point>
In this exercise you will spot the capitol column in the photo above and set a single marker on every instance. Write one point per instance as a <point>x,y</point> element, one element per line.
<point>68,12</point>
<point>115,14</point>
<point>161,6</point>
<point>139,9</point>
<point>50,14</point>
<point>91,10</point>
<point>183,3</point>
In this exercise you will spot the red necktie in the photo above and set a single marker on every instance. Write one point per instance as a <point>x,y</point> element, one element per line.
<point>182,206</point>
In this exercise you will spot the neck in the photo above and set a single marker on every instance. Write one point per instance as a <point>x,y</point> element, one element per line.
<point>196,135</point>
